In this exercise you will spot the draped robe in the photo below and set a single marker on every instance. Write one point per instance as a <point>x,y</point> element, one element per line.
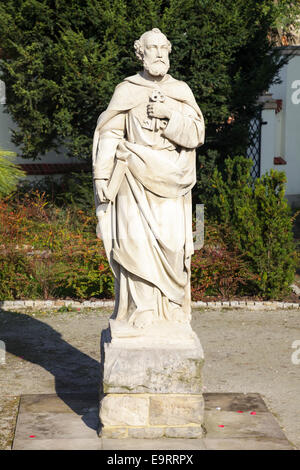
<point>147,230</point>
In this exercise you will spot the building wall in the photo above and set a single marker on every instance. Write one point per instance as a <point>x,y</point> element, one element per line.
<point>6,127</point>
<point>281,136</point>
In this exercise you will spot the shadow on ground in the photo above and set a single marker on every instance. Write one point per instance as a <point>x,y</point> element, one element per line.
<point>74,372</point>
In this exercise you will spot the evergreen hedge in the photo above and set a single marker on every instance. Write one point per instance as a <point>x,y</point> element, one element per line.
<point>258,222</point>
<point>10,173</point>
<point>61,60</point>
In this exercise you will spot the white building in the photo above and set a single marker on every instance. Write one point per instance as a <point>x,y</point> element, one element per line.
<point>280,132</point>
<point>51,163</point>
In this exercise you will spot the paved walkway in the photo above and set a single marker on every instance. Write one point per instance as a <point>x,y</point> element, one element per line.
<point>70,422</point>
<point>247,353</point>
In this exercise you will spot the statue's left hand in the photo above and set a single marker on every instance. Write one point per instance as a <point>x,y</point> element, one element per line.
<point>101,188</point>
<point>158,110</point>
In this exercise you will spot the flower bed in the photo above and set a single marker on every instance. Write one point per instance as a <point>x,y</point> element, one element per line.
<point>51,252</point>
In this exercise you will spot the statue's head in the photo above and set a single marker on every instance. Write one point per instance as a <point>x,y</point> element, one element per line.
<point>153,50</point>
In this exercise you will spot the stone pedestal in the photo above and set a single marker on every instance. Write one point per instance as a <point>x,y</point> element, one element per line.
<point>152,382</point>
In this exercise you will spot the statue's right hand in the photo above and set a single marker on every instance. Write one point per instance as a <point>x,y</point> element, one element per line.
<point>101,189</point>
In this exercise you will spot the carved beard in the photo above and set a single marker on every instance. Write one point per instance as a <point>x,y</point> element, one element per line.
<point>157,68</point>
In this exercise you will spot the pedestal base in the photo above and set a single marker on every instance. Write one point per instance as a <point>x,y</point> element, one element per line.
<point>152,382</point>
<point>152,416</point>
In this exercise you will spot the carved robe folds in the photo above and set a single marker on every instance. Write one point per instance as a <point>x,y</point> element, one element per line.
<point>147,230</point>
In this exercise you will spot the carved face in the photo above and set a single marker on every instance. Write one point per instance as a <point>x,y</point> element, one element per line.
<point>156,54</point>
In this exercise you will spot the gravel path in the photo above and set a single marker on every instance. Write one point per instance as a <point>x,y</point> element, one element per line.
<point>245,351</point>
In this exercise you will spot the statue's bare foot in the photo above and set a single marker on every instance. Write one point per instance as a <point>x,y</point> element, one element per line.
<point>141,319</point>
<point>179,315</point>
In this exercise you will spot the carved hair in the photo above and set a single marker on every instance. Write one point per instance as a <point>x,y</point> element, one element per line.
<point>139,44</point>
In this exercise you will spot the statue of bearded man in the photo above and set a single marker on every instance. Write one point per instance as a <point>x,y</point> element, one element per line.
<point>151,128</point>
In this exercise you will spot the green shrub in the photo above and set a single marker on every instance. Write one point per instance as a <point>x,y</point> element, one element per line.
<point>47,251</point>
<point>76,189</point>
<point>52,252</point>
<point>218,270</point>
<point>72,190</point>
<point>260,224</point>
<point>10,173</point>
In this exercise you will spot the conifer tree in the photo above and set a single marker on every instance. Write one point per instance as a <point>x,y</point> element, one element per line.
<point>61,60</point>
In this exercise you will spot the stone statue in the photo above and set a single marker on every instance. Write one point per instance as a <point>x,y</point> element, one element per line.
<point>144,170</point>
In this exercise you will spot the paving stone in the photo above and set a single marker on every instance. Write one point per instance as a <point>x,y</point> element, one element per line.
<point>241,425</point>
<point>8,416</point>
<point>54,426</point>
<point>114,433</point>
<point>198,304</point>
<point>59,444</point>
<point>234,402</point>
<point>99,303</point>
<point>75,304</point>
<point>153,444</point>
<point>175,411</point>
<point>246,444</point>
<point>38,304</point>
<point>65,403</point>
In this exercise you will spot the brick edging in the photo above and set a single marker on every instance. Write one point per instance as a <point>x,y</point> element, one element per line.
<point>47,304</point>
